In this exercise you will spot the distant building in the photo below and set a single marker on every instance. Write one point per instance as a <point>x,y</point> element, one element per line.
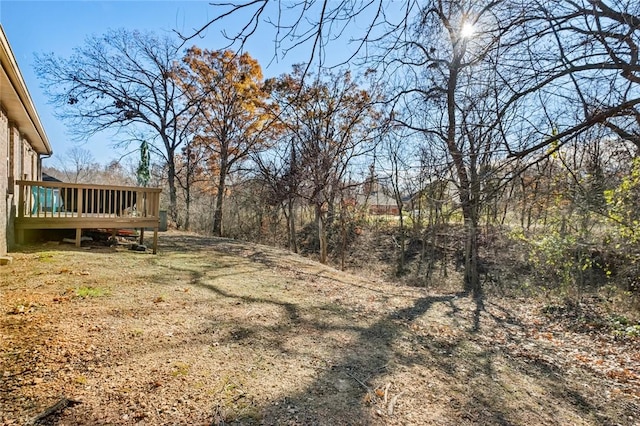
<point>377,199</point>
<point>23,141</point>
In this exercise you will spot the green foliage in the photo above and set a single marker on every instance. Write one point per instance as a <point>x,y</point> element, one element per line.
<point>590,234</point>
<point>557,258</point>
<point>623,219</point>
<point>46,257</point>
<point>88,291</point>
<point>180,369</point>
<point>565,256</point>
<point>143,172</point>
<point>622,206</point>
<point>624,328</point>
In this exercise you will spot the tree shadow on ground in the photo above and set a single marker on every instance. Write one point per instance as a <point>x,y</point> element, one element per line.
<point>429,360</point>
<point>347,389</point>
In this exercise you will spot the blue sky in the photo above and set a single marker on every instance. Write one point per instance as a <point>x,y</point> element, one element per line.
<point>59,26</point>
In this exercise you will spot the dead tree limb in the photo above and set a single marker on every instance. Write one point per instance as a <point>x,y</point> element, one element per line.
<point>56,408</point>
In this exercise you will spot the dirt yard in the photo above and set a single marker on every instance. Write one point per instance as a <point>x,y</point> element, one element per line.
<point>213,331</point>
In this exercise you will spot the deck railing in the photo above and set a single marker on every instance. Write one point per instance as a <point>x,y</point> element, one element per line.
<point>59,205</point>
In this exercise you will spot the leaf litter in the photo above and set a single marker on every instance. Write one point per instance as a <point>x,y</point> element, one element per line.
<point>214,331</point>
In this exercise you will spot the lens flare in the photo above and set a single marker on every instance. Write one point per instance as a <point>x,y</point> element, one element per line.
<point>467,30</point>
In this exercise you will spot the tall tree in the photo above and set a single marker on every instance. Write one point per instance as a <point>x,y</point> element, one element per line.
<point>449,93</point>
<point>193,176</point>
<point>574,49</point>
<point>121,80</point>
<point>525,77</point>
<point>231,112</point>
<point>280,171</point>
<point>331,121</point>
<point>437,50</point>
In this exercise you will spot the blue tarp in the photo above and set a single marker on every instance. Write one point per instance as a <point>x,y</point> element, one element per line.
<point>46,199</point>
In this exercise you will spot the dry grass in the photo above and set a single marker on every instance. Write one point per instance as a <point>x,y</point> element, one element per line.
<point>213,331</point>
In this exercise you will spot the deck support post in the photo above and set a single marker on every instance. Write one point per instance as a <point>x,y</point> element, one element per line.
<point>155,240</point>
<point>78,236</point>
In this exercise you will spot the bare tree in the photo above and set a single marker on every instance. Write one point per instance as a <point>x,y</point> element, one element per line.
<point>486,79</point>
<point>587,70</point>
<point>280,169</point>
<point>428,45</point>
<point>78,165</point>
<point>121,81</point>
<point>565,45</point>
<point>190,174</point>
<point>448,92</point>
<point>400,166</point>
<point>331,123</point>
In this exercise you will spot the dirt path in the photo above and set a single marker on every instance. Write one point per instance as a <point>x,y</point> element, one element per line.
<point>219,332</point>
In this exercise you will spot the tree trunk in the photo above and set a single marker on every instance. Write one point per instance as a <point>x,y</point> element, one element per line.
<point>322,234</point>
<point>217,212</point>
<point>187,202</point>
<point>403,242</point>
<point>171,180</point>
<point>469,210</point>
<point>472,282</point>
<point>293,244</point>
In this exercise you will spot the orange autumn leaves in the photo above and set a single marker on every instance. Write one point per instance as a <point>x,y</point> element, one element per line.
<point>230,109</point>
<point>237,116</point>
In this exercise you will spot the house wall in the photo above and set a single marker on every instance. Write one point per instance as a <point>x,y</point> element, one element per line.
<point>4,182</point>
<point>25,159</point>
<point>378,209</point>
<point>18,161</point>
<point>15,169</point>
<point>22,140</point>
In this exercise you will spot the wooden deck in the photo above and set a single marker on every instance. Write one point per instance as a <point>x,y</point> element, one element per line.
<point>58,205</point>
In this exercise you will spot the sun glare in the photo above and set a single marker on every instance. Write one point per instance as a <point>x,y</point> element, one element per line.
<point>467,30</point>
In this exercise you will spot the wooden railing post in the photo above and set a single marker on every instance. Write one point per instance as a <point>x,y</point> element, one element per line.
<point>21,200</point>
<point>79,202</point>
